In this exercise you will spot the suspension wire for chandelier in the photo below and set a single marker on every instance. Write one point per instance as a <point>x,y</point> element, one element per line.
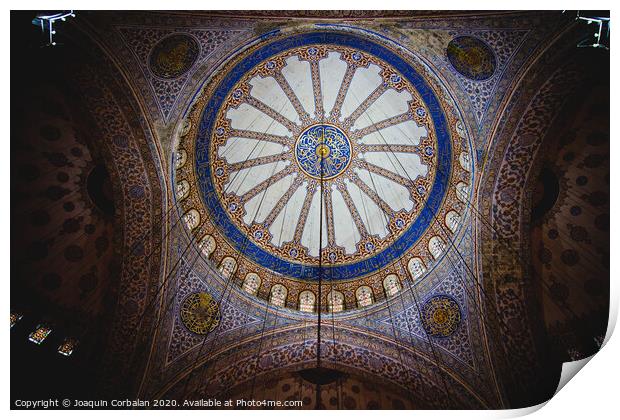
<point>265,315</point>
<point>486,223</point>
<point>164,284</point>
<point>377,267</point>
<point>563,308</point>
<point>267,304</point>
<point>441,226</point>
<point>227,284</point>
<point>57,228</point>
<point>437,221</point>
<point>433,352</point>
<point>318,325</point>
<point>229,281</point>
<point>452,243</point>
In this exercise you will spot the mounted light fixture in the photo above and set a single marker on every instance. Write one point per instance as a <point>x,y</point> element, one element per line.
<point>601,34</point>
<point>46,22</point>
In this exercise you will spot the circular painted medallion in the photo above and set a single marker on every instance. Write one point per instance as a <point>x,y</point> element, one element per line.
<point>173,56</point>
<point>471,57</point>
<point>200,313</point>
<point>323,151</point>
<point>441,316</point>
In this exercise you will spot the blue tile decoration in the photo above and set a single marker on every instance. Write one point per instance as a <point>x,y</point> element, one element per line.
<point>307,272</point>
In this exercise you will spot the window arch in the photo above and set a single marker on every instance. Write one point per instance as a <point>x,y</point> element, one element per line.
<point>436,246</point>
<point>453,219</point>
<point>251,283</point>
<point>207,245</point>
<point>182,189</point>
<point>391,285</point>
<point>416,267</point>
<point>307,300</point>
<point>179,158</point>
<point>364,296</point>
<point>227,267</point>
<point>464,161</point>
<point>192,219</point>
<point>278,294</point>
<point>462,191</point>
<point>335,301</point>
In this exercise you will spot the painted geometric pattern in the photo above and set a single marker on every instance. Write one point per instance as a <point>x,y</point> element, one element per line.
<point>141,42</point>
<point>504,45</point>
<point>398,183</point>
<point>182,340</point>
<point>374,139</point>
<point>458,344</point>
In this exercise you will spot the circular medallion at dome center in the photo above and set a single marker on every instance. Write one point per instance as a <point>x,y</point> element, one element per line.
<point>323,151</point>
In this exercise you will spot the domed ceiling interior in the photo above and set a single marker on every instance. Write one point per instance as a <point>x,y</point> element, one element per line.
<point>381,209</point>
<point>324,162</point>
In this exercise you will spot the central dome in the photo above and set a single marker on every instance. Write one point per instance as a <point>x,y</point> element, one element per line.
<point>326,125</point>
<point>321,151</point>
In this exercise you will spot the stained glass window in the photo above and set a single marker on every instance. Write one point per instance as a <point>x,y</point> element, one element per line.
<point>436,246</point>
<point>15,317</point>
<point>306,301</point>
<point>452,220</point>
<point>416,267</point>
<point>278,295</point>
<point>335,301</point>
<point>207,244</point>
<point>251,283</point>
<point>40,334</point>
<point>462,191</point>
<point>364,296</point>
<point>228,266</point>
<point>67,346</point>
<point>180,158</point>
<point>192,218</point>
<point>391,285</point>
<point>182,189</point>
<point>464,161</point>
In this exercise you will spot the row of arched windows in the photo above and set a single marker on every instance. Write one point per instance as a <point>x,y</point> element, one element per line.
<point>335,300</point>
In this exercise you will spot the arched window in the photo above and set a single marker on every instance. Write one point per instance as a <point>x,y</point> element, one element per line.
<point>207,245</point>
<point>453,220</point>
<point>363,295</point>
<point>278,294</point>
<point>464,161</point>
<point>436,246</point>
<point>460,128</point>
<point>251,283</point>
<point>391,285</point>
<point>306,301</point>
<point>192,218</point>
<point>227,267</point>
<point>462,191</point>
<point>416,267</point>
<point>179,158</point>
<point>335,301</point>
<point>182,189</point>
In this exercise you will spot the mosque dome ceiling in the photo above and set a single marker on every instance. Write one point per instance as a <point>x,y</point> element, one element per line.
<point>325,154</point>
<point>394,170</point>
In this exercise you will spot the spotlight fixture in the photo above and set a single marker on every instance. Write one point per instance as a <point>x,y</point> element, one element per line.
<point>46,22</point>
<point>600,37</point>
